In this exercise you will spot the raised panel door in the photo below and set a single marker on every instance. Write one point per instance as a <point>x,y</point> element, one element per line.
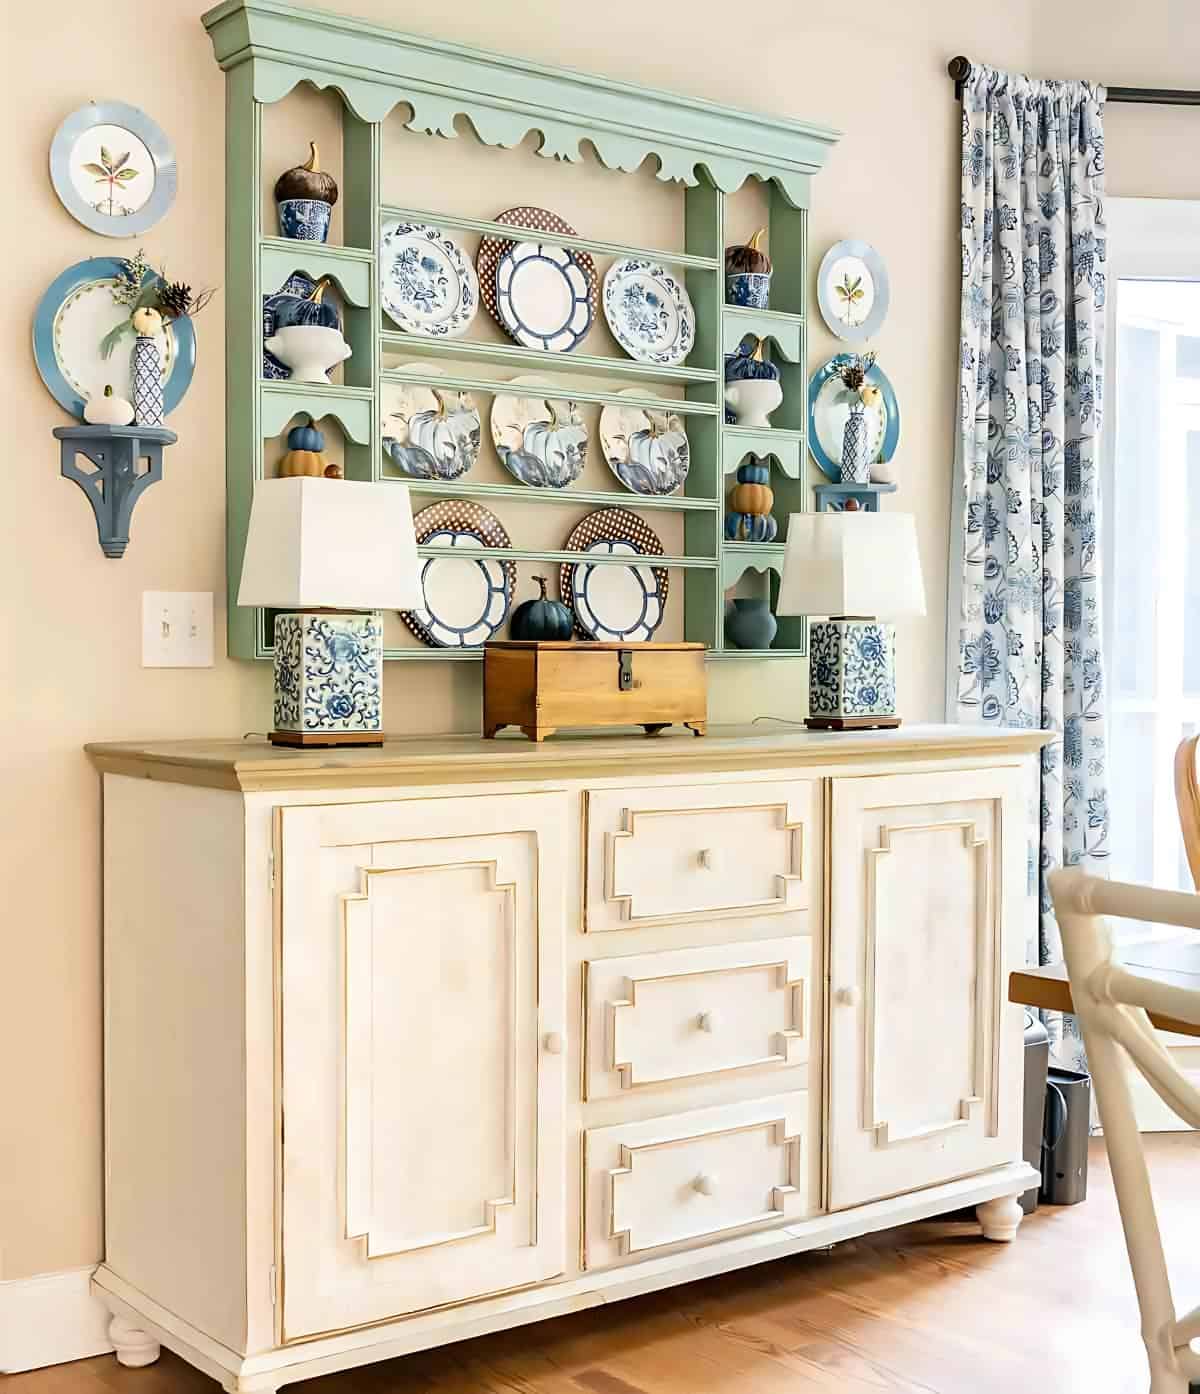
<point>421,1048</point>
<point>926,891</point>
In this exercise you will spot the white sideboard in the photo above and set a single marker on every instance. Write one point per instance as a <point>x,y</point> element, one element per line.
<point>407,1045</point>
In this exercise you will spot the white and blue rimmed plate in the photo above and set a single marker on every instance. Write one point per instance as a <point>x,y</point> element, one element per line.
<point>543,296</point>
<point>427,285</point>
<point>465,598</point>
<point>615,603</point>
<point>649,312</point>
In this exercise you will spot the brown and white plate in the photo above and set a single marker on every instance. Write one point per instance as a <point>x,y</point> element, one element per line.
<point>466,599</point>
<point>613,603</point>
<point>492,250</point>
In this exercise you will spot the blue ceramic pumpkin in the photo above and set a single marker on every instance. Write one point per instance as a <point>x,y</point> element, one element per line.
<point>755,471</point>
<point>305,438</point>
<point>542,618</point>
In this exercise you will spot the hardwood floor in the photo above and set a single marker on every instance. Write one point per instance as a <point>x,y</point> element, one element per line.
<point>930,1309</point>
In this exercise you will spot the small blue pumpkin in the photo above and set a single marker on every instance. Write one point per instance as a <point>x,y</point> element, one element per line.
<point>542,618</point>
<point>305,438</point>
<point>748,362</point>
<point>307,309</point>
<point>755,471</point>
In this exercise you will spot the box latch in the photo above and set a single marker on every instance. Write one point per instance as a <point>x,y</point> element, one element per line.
<point>625,671</point>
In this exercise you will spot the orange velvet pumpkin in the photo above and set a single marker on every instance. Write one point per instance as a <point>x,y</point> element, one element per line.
<point>752,498</point>
<point>310,462</point>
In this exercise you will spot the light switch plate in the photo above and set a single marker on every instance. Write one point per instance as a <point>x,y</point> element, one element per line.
<point>177,629</point>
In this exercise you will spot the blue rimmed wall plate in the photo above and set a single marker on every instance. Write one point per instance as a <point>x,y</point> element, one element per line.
<point>72,318</point>
<point>465,599</point>
<point>113,168</point>
<point>853,290</point>
<point>614,603</point>
<point>543,296</point>
<point>829,406</point>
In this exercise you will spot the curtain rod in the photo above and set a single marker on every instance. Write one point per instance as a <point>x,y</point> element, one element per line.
<point>960,70</point>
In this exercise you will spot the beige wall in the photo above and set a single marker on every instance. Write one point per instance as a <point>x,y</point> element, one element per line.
<point>70,670</point>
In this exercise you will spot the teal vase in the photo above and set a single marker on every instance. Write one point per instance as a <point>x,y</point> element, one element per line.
<point>750,624</point>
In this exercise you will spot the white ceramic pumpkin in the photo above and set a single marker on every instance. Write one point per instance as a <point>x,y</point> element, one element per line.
<point>146,320</point>
<point>107,409</point>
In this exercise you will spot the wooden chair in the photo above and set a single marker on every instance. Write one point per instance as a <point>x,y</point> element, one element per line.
<point>1187,800</point>
<point>1111,1003</point>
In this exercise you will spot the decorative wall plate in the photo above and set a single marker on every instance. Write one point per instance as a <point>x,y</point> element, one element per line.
<point>853,290</point>
<point>113,169</point>
<point>71,319</point>
<point>466,599</point>
<point>615,603</point>
<point>491,249</point>
<point>427,285</point>
<point>433,433</point>
<point>649,312</point>
<point>543,296</point>
<point>829,406</point>
<point>540,441</point>
<point>647,450</point>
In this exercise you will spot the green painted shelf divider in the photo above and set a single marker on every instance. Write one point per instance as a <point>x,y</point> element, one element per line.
<point>558,387</point>
<point>268,47</point>
<point>567,558</point>
<point>463,488</point>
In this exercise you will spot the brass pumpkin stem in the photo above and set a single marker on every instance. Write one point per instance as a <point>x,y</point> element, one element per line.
<point>314,158</point>
<point>752,244</point>
<point>757,355</point>
<point>318,291</point>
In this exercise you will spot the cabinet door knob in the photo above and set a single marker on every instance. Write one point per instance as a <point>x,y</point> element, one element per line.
<point>847,997</point>
<point>707,858</point>
<point>707,1021</point>
<point>705,1184</point>
<point>552,1042</point>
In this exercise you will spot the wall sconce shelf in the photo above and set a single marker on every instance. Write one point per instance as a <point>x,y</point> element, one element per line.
<point>117,479</point>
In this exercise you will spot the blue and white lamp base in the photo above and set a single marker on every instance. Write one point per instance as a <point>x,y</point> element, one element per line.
<point>328,679</point>
<point>851,674</point>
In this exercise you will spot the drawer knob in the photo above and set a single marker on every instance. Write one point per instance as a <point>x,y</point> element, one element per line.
<point>552,1042</point>
<point>705,1184</point>
<point>707,1021</point>
<point>707,858</point>
<point>847,997</point>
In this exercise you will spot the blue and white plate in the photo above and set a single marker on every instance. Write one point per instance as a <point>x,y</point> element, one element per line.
<point>649,312</point>
<point>466,598</point>
<point>829,402</point>
<point>427,285</point>
<point>72,319</point>
<point>543,296</point>
<point>540,441</point>
<point>615,603</point>
<point>431,432</point>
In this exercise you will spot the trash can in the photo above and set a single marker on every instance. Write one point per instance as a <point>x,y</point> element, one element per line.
<point>1037,1059</point>
<point>1065,1146</point>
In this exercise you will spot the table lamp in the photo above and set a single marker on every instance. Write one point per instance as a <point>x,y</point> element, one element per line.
<point>856,568</point>
<point>328,553</point>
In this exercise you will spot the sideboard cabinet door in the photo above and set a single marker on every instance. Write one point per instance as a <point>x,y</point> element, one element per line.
<point>422,1073</point>
<point>927,888</point>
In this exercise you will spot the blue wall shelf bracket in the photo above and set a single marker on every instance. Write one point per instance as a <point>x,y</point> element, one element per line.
<point>118,478</point>
<point>832,498</point>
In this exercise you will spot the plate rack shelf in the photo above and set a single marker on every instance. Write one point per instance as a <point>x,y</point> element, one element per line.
<point>267,48</point>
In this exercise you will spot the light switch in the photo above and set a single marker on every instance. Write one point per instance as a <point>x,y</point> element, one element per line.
<point>177,629</point>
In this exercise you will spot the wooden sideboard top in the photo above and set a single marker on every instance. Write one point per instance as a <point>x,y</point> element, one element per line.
<point>251,765</point>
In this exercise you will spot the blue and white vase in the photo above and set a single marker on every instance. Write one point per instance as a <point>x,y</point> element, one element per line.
<point>146,371</point>
<point>304,219</point>
<point>855,464</point>
<point>751,289</point>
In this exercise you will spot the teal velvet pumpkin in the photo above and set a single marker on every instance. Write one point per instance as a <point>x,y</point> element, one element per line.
<point>305,438</point>
<point>542,618</point>
<point>756,472</point>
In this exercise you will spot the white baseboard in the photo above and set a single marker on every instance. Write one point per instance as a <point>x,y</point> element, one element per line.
<point>49,1320</point>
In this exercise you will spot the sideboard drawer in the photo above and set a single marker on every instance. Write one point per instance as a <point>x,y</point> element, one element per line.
<point>687,1015</point>
<point>694,1176</point>
<point>699,851</point>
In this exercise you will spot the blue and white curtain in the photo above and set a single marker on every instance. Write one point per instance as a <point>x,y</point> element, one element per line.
<point>1027,652</point>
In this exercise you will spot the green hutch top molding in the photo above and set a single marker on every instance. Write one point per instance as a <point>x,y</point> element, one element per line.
<point>504,98</point>
<point>267,47</point>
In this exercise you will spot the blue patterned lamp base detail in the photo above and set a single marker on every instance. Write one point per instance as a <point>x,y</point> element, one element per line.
<point>328,680</point>
<point>851,674</point>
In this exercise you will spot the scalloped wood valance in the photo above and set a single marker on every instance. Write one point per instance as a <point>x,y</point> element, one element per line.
<point>504,98</point>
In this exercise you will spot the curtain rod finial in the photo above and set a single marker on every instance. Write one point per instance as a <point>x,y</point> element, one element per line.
<point>960,70</point>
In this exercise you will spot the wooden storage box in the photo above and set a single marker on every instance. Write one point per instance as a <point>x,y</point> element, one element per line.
<point>543,686</point>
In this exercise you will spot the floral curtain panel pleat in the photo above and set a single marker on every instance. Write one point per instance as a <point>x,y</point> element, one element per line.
<point>1027,651</point>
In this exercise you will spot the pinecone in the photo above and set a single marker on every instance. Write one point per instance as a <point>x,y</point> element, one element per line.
<point>175,299</point>
<point>853,376</point>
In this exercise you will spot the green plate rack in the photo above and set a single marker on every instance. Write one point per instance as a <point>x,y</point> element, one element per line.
<point>266,48</point>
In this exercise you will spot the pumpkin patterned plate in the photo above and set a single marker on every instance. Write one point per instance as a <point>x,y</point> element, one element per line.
<point>647,450</point>
<point>612,603</point>
<point>493,249</point>
<point>541,442</point>
<point>466,599</point>
<point>433,432</point>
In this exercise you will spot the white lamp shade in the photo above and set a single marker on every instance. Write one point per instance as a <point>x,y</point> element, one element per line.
<point>330,544</point>
<point>851,564</point>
